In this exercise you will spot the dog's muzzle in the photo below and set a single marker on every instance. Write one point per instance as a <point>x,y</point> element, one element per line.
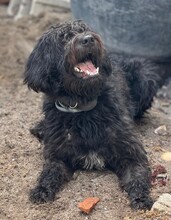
<point>84,54</point>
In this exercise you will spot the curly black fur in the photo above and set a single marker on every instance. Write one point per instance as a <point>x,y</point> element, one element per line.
<point>99,138</point>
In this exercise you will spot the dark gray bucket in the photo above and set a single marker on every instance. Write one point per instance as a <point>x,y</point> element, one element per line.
<point>137,27</point>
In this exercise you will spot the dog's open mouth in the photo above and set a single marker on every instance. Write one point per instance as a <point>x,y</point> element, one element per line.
<point>86,70</point>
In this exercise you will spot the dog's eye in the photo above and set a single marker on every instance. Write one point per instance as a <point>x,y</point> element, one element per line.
<point>61,34</point>
<point>68,36</point>
<point>81,30</point>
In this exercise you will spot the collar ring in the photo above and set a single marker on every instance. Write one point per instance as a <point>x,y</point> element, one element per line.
<point>75,106</point>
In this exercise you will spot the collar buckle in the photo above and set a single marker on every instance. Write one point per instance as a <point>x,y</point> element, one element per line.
<point>75,108</point>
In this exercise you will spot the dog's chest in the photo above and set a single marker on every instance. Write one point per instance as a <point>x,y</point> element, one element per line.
<point>87,139</point>
<point>92,160</point>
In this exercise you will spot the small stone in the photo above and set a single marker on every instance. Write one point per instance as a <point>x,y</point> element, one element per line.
<point>75,175</point>
<point>88,204</point>
<point>165,104</point>
<point>163,203</point>
<point>161,130</point>
<point>166,156</point>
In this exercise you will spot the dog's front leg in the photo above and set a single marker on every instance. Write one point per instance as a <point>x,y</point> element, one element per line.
<point>38,130</point>
<point>132,167</point>
<point>135,180</point>
<point>54,174</point>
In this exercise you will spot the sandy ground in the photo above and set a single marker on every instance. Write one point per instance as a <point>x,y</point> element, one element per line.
<point>21,154</point>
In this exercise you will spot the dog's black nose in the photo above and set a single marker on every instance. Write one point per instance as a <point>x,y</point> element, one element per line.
<point>87,40</point>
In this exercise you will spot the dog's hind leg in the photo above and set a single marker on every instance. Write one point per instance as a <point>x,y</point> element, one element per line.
<point>144,80</point>
<point>38,130</point>
<point>54,174</point>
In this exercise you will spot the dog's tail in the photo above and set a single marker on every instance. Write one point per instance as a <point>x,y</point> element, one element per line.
<point>164,71</point>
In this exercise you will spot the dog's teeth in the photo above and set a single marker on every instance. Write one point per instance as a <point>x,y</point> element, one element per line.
<point>97,70</point>
<point>88,72</point>
<point>76,69</point>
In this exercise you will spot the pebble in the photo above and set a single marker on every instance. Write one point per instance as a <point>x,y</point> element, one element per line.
<point>88,204</point>
<point>163,203</point>
<point>161,130</point>
<point>166,156</point>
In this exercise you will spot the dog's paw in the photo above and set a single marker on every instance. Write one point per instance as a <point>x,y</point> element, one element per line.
<point>41,195</point>
<point>38,133</point>
<point>142,203</point>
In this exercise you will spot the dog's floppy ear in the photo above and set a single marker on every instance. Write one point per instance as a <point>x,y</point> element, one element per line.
<point>42,63</point>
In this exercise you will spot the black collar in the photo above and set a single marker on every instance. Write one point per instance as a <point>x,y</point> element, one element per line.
<point>65,104</point>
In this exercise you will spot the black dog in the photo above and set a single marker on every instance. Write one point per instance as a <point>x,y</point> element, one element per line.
<point>91,101</point>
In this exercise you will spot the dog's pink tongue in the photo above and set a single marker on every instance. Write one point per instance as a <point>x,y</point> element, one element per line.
<point>87,66</point>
